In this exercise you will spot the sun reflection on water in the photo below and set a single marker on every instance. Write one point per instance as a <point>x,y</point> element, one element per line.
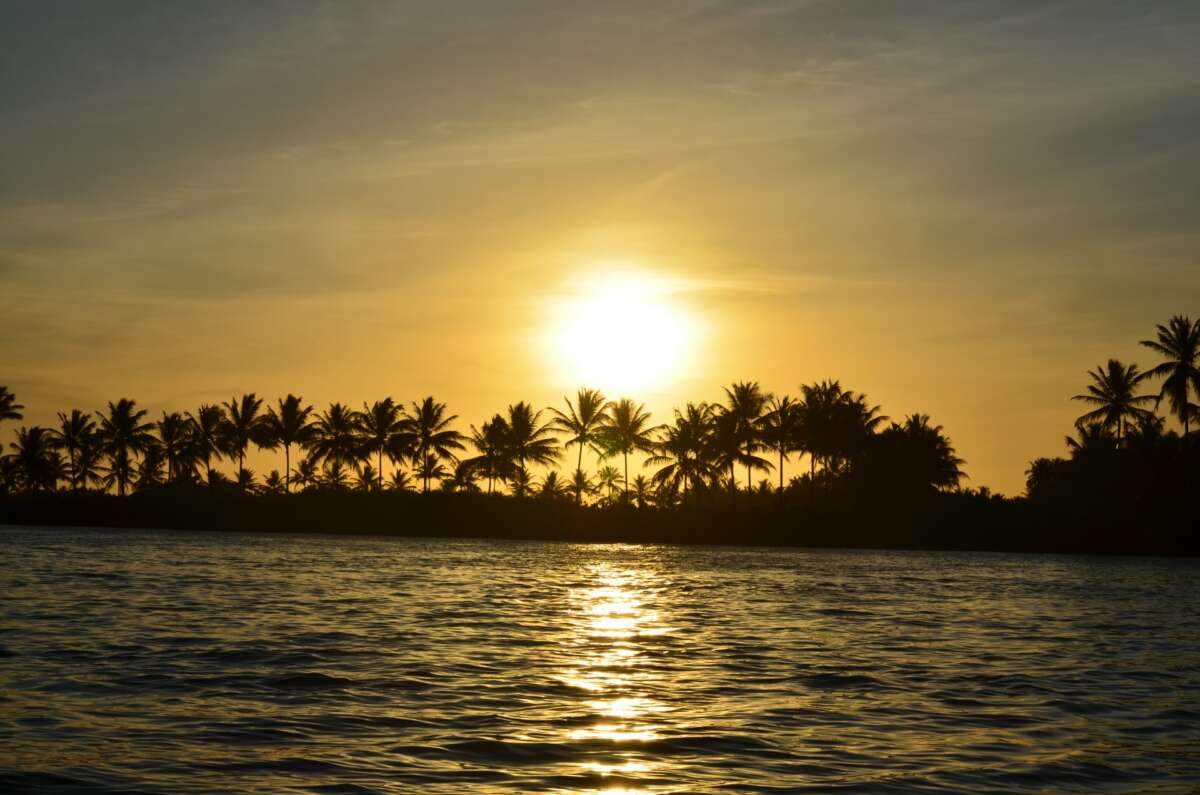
<point>614,626</point>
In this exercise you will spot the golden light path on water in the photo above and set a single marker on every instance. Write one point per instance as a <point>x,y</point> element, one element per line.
<point>612,624</point>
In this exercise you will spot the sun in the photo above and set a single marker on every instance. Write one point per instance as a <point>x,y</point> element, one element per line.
<point>622,331</point>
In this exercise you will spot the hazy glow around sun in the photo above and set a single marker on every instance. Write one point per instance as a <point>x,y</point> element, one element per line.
<point>621,330</point>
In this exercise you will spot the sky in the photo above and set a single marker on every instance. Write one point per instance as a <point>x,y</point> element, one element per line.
<point>956,208</point>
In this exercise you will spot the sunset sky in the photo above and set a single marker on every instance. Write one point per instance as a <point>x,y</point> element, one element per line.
<point>957,208</point>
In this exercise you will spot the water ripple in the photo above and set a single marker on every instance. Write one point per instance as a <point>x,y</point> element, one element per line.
<point>183,662</point>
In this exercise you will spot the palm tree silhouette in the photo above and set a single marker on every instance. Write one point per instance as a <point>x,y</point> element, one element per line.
<point>1179,344</point>
<point>608,477</point>
<point>244,424</point>
<point>582,423</point>
<point>37,464</point>
<point>400,481</point>
<point>173,437</point>
<point>780,429</point>
<point>685,450</point>
<point>554,487</point>
<point>430,468</point>
<point>75,432</point>
<point>745,401</point>
<point>491,441</point>
<point>427,434</point>
<point>1113,392</point>
<point>529,440</point>
<point>334,439</point>
<point>288,426</point>
<point>307,476</point>
<point>642,492</point>
<point>124,435</point>
<point>381,423</point>
<point>929,460</point>
<point>208,436</point>
<point>10,409</point>
<point>625,430</point>
<point>582,484</point>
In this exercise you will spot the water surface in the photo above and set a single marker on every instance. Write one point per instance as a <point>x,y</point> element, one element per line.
<point>188,662</point>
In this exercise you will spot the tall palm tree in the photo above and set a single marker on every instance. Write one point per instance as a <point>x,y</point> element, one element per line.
<point>529,439</point>
<point>685,450</point>
<point>75,432</point>
<point>625,430</point>
<point>427,434</point>
<point>837,424</point>
<point>582,423</point>
<point>780,429</point>
<point>36,462</point>
<point>244,425</point>
<point>10,409</point>
<point>381,423</point>
<point>1113,392</point>
<point>208,436</point>
<point>491,442</point>
<point>173,437</point>
<point>335,438</point>
<point>286,427</point>
<point>1179,344</point>
<point>123,436</point>
<point>746,401</point>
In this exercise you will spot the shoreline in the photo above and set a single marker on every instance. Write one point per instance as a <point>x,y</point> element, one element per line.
<point>940,522</point>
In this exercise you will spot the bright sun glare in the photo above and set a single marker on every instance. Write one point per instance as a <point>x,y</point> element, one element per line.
<point>622,331</point>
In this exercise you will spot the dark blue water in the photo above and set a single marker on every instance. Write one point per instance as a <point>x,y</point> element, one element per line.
<point>182,662</point>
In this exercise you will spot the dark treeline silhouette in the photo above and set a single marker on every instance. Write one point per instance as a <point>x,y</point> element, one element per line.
<point>713,472</point>
<point>1125,470</point>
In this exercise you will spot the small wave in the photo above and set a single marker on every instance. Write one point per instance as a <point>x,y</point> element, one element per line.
<point>308,681</point>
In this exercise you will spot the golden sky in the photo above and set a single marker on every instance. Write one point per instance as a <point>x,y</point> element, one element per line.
<point>957,208</point>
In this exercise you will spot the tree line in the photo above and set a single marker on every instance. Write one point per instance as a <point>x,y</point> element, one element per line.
<point>1122,450</point>
<point>700,453</point>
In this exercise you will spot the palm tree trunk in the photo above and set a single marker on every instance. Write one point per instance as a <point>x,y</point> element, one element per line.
<point>287,468</point>
<point>781,470</point>
<point>626,476</point>
<point>579,484</point>
<point>381,467</point>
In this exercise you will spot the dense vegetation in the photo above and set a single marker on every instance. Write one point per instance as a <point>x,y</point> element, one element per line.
<point>868,480</point>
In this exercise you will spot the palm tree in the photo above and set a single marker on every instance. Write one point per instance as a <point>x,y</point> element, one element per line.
<point>307,475</point>
<point>123,435</point>
<point>208,436</point>
<point>780,429</point>
<point>462,478</point>
<point>430,468</point>
<point>529,440</point>
<point>685,450</point>
<point>173,437</point>
<point>75,432</point>
<point>334,476</point>
<point>554,487</point>
<point>642,491</point>
<point>923,455</point>
<point>10,409</point>
<point>150,469</point>
<point>582,423</point>
<point>334,437</point>
<point>837,424</point>
<point>274,483</point>
<point>400,481</point>
<point>581,483</point>
<point>366,478</point>
<point>36,463</point>
<point>244,424</point>
<point>381,422</point>
<point>627,430</point>
<point>745,401</point>
<point>288,426</point>
<point>608,477</point>
<point>1113,392</point>
<point>427,434</point>
<point>491,441</point>
<point>1179,344</point>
